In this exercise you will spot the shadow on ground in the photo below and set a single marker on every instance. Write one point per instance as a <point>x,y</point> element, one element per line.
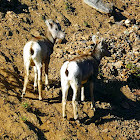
<point>13,5</point>
<point>104,92</point>
<point>121,106</point>
<point>36,130</point>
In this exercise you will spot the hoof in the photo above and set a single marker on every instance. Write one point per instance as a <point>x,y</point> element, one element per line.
<point>65,117</point>
<point>47,87</point>
<point>76,117</point>
<point>40,99</point>
<point>93,108</point>
<point>35,89</point>
<point>23,94</point>
<point>77,121</point>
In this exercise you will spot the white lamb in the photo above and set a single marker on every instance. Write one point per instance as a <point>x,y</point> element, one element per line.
<point>77,72</point>
<point>38,51</point>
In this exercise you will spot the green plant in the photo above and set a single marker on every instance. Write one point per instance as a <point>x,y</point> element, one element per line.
<point>67,6</point>
<point>26,105</point>
<point>24,119</point>
<point>43,17</point>
<point>86,24</point>
<point>133,69</point>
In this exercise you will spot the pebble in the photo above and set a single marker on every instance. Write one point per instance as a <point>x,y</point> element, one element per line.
<point>127,22</point>
<point>118,64</point>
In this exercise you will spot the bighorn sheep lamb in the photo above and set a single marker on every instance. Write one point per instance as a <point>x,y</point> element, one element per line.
<point>77,72</point>
<point>38,51</point>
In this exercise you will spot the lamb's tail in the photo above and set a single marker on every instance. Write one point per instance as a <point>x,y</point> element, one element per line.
<point>64,69</point>
<point>67,72</point>
<point>31,49</point>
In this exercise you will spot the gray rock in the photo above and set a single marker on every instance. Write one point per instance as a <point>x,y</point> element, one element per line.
<point>98,5</point>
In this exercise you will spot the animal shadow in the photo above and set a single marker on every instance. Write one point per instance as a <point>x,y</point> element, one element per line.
<point>36,130</point>
<point>122,107</point>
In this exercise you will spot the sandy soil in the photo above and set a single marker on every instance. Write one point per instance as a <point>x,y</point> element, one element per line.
<point>117,87</point>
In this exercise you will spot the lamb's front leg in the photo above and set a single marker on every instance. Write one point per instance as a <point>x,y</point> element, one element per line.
<point>46,76</point>
<point>92,96</point>
<point>82,93</point>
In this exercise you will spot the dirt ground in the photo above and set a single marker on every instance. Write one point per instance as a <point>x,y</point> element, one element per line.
<point>117,87</point>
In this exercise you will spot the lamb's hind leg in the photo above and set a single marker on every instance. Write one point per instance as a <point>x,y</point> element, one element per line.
<point>26,71</point>
<point>46,75</point>
<point>75,88</point>
<point>82,93</point>
<point>39,69</point>
<point>35,79</point>
<point>65,87</point>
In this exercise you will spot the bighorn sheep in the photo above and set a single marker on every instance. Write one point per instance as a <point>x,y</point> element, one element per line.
<point>77,72</point>
<point>38,51</point>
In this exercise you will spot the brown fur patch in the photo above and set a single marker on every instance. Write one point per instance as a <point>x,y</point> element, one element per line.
<point>82,58</point>
<point>83,82</point>
<point>36,38</point>
<point>31,49</point>
<point>67,72</point>
<point>32,63</point>
<point>32,52</point>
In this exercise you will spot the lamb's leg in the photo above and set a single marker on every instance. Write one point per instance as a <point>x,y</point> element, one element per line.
<point>75,88</point>
<point>39,69</point>
<point>92,96</point>
<point>46,75</point>
<point>35,79</point>
<point>26,70</point>
<point>65,88</point>
<point>82,94</point>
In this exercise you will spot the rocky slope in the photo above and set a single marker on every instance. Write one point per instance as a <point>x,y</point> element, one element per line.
<point>117,88</point>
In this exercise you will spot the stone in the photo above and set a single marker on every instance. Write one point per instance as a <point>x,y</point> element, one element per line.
<point>118,64</point>
<point>127,22</point>
<point>125,105</point>
<point>99,6</point>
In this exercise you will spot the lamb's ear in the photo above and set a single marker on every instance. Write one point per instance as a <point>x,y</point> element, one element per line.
<point>103,42</point>
<point>57,21</point>
<point>49,23</point>
<point>95,39</point>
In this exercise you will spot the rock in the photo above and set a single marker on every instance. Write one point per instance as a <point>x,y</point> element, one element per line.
<point>111,20</point>
<point>133,21</point>
<point>137,92</point>
<point>135,27</point>
<point>118,64</point>
<point>125,105</point>
<point>127,22</point>
<point>99,6</point>
<point>126,32</point>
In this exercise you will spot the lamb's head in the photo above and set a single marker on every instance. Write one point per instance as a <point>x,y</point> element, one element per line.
<point>55,29</point>
<point>101,50</point>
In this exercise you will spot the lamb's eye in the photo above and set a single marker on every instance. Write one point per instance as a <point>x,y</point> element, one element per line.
<point>56,29</point>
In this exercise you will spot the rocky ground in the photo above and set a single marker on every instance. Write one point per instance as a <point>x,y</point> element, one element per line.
<point>117,88</point>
